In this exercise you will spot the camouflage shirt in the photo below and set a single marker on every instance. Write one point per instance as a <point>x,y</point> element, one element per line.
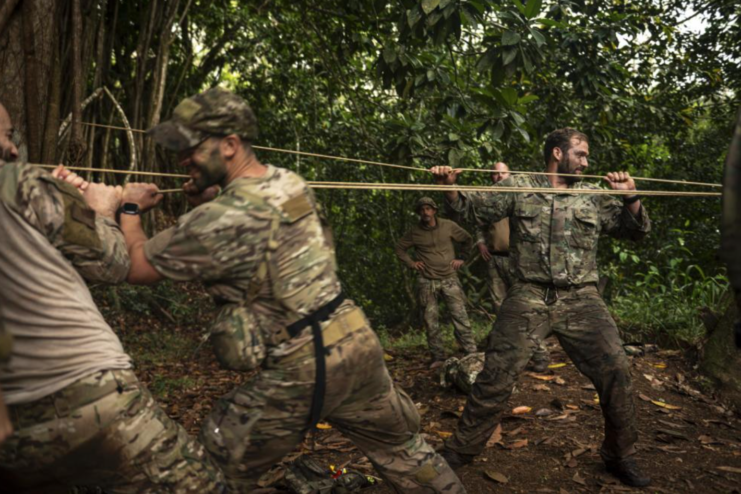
<point>553,237</point>
<point>225,243</point>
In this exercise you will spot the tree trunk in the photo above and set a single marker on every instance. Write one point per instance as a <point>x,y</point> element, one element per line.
<point>721,360</point>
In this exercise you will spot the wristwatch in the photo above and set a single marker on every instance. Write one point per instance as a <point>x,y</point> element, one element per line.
<point>130,208</point>
<point>631,199</point>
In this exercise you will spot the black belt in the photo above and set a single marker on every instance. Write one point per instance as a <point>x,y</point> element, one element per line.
<point>314,320</point>
<point>550,291</point>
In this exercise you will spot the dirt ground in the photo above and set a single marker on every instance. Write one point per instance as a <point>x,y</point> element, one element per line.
<point>688,441</point>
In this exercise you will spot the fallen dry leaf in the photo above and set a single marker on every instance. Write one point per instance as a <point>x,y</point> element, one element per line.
<point>572,407</point>
<point>578,479</point>
<point>521,410</point>
<point>572,463</point>
<point>495,438</point>
<point>644,397</point>
<point>541,387</point>
<point>557,366</point>
<point>514,432</point>
<point>518,444</point>
<point>444,434</point>
<point>660,365</point>
<point>496,476</point>
<point>559,381</point>
<point>665,405</point>
<point>387,357</point>
<point>541,377</point>
<point>730,469</point>
<point>323,426</point>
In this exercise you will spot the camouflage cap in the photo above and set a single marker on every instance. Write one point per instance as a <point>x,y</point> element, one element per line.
<point>425,201</point>
<point>215,112</point>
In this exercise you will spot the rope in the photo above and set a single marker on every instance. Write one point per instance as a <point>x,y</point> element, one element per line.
<point>417,169</point>
<point>431,187</point>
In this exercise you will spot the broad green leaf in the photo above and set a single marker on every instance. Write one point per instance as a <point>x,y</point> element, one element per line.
<point>413,16</point>
<point>524,134</point>
<point>429,5</point>
<point>510,38</point>
<point>519,6</point>
<point>532,8</point>
<point>510,95</point>
<point>527,99</point>
<point>452,136</point>
<point>498,131</point>
<point>389,54</point>
<point>538,37</point>
<point>509,56</point>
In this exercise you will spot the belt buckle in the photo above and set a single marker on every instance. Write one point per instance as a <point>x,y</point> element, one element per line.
<point>551,295</point>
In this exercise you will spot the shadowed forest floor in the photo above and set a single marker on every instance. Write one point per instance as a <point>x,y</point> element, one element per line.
<point>688,441</point>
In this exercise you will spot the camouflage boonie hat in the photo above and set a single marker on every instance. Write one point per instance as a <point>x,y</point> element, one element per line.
<point>215,112</point>
<point>425,201</point>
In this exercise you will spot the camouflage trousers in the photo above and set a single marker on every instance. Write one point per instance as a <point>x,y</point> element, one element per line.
<point>257,424</point>
<point>450,289</point>
<point>122,442</point>
<point>588,335</point>
<point>500,280</point>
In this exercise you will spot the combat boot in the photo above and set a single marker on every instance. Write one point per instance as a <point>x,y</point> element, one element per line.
<point>456,460</point>
<point>627,472</point>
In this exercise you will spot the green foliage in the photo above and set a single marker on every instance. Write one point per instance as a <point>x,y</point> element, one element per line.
<point>662,302</point>
<point>416,339</point>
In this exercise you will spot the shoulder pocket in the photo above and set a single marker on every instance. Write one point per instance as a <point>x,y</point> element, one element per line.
<point>79,219</point>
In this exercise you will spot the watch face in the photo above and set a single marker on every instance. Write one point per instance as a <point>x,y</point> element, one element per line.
<point>130,208</point>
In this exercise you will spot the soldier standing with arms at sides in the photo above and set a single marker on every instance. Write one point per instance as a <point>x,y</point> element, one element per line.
<point>261,251</point>
<point>492,240</point>
<point>79,413</point>
<point>432,239</point>
<point>554,253</point>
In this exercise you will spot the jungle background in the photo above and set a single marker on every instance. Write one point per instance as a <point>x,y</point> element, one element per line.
<point>654,83</point>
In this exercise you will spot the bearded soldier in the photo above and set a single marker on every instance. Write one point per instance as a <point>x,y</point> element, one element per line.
<point>79,414</point>
<point>553,251</point>
<point>433,242</point>
<point>261,251</point>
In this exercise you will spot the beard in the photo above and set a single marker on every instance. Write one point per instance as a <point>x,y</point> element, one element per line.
<point>212,171</point>
<point>6,156</point>
<point>565,166</point>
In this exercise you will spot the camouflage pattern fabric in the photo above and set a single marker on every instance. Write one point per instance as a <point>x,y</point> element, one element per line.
<point>215,112</point>
<point>500,279</point>
<point>588,335</point>
<point>255,425</point>
<point>261,250</point>
<point>122,442</point>
<point>553,237</point>
<point>93,244</point>
<point>460,373</point>
<point>450,290</point>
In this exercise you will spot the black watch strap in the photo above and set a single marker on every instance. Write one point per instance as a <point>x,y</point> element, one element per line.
<point>631,199</point>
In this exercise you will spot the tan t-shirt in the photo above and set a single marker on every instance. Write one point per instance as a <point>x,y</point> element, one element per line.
<point>434,246</point>
<point>50,240</point>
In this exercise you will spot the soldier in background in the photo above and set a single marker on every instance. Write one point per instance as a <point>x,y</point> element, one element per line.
<point>433,242</point>
<point>554,255</point>
<point>79,413</point>
<point>261,251</point>
<point>492,240</point>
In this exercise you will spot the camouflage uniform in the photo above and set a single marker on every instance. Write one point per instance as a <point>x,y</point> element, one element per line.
<point>261,250</point>
<point>103,428</point>
<point>554,249</point>
<point>434,247</point>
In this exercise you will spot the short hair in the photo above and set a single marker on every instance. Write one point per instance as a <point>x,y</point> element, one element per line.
<point>561,138</point>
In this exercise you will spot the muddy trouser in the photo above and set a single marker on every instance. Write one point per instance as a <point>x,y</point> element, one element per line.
<point>500,280</point>
<point>588,335</point>
<point>104,430</point>
<point>257,424</point>
<point>452,292</point>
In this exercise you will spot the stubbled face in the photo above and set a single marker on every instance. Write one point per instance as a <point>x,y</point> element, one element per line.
<point>426,214</point>
<point>204,163</point>
<point>8,149</point>
<point>499,174</point>
<point>574,161</point>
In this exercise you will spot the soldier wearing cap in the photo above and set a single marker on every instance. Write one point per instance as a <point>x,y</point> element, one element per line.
<point>79,414</point>
<point>436,264</point>
<point>260,249</point>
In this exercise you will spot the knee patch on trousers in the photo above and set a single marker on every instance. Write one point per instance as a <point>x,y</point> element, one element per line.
<point>426,474</point>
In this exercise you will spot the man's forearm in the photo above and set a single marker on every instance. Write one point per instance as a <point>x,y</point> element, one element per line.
<point>142,272</point>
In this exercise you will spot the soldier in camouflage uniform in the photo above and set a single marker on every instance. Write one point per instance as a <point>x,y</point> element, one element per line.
<point>80,415</point>
<point>260,249</point>
<point>492,240</point>
<point>554,254</point>
<point>432,239</point>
